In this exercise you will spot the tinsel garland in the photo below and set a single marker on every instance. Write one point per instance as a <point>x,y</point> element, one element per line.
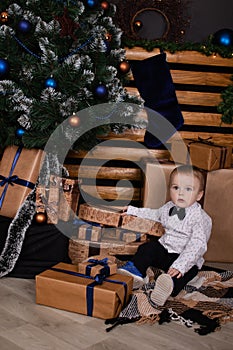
<point>24,217</point>
<point>16,235</point>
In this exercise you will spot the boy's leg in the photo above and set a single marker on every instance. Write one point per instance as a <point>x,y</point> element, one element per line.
<point>153,254</point>
<point>147,255</point>
<point>179,283</point>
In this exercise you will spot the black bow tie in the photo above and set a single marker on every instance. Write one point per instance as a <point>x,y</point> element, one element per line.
<point>179,212</point>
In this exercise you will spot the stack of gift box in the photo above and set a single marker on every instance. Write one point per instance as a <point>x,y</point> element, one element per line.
<point>19,171</point>
<point>102,231</point>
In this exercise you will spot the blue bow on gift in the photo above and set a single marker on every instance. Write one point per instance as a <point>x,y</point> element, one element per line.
<point>104,272</point>
<point>10,180</point>
<point>95,262</point>
<point>13,179</point>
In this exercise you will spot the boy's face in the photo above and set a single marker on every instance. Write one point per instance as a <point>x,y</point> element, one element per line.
<point>184,190</point>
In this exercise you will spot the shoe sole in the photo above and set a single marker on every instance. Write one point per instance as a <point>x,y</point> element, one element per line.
<point>138,282</point>
<point>162,290</point>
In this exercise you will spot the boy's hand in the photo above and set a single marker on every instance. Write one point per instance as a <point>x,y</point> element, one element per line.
<point>174,272</point>
<point>124,211</point>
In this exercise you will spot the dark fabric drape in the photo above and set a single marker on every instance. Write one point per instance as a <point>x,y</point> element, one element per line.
<point>154,82</point>
<point>43,247</point>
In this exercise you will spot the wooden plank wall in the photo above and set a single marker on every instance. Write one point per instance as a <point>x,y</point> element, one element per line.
<point>113,173</point>
<point>199,81</point>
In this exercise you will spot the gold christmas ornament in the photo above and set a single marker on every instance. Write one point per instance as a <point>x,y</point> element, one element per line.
<point>4,17</point>
<point>74,120</point>
<point>124,67</point>
<point>137,25</point>
<point>104,5</point>
<point>40,218</point>
<point>108,37</point>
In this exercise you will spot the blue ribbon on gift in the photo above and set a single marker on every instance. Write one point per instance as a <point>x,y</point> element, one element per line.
<point>13,179</point>
<point>90,287</point>
<point>138,237</point>
<point>104,272</point>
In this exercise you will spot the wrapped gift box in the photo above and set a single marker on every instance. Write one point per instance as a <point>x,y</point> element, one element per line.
<point>82,250</point>
<point>203,154</point>
<point>218,204</point>
<point>99,215</point>
<point>156,180</point>
<point>41,195</point>
<point>59,199</point>
<point>89,232</point>
<point>150,227</point>
<point>119,234</point>
<point>75,292</point>
<point>93,267</point>
<point>130,236</point>
<point>111,234</point>
<point>69,198</point>
<point>53,199</point>
<point>19,171</point>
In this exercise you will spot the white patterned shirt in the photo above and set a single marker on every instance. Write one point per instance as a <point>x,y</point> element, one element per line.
<point>187,237</point>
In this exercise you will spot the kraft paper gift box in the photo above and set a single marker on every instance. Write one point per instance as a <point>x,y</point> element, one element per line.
<point>19,171</point>
<point>150,227</point>
<point>59,199</point>
<point>81,250</point>
<point>63,199</point>
<point>62,287</point>
<point>130,236</point>
<point>47,198</point>
<point>93,267</point>
<point>41,195</point>
<point>69,198</point>
<point>53,199</point>
<point>218,203</point>
<point>119,234</point>
<point>156,181</point>
<point>89,232</point>
<point>203,154</point>
<point>99,215</point>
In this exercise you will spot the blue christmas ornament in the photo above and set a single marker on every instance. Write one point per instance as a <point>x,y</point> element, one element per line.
<point>24,26</point>
<point>4,67</point>
<point>20,132</point>
<point>108,47</point>
<point>92,3</point>
<point>223,37</point>
<point>101,91</point>
<point>50,83</point>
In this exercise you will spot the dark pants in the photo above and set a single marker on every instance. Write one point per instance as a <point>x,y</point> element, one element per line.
<point>154,254</point>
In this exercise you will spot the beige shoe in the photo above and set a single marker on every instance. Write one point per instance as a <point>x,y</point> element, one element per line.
<point>162,290</point>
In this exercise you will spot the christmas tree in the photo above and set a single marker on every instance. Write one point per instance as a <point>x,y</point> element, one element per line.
<point>56,60</point>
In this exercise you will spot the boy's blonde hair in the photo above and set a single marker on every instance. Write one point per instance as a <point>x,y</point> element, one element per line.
<point>189,170</point>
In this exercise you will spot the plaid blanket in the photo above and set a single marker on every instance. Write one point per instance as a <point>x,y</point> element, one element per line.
<point>205,304</point>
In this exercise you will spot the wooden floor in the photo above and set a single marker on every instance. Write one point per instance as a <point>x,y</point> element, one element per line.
<point>25,325</point>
